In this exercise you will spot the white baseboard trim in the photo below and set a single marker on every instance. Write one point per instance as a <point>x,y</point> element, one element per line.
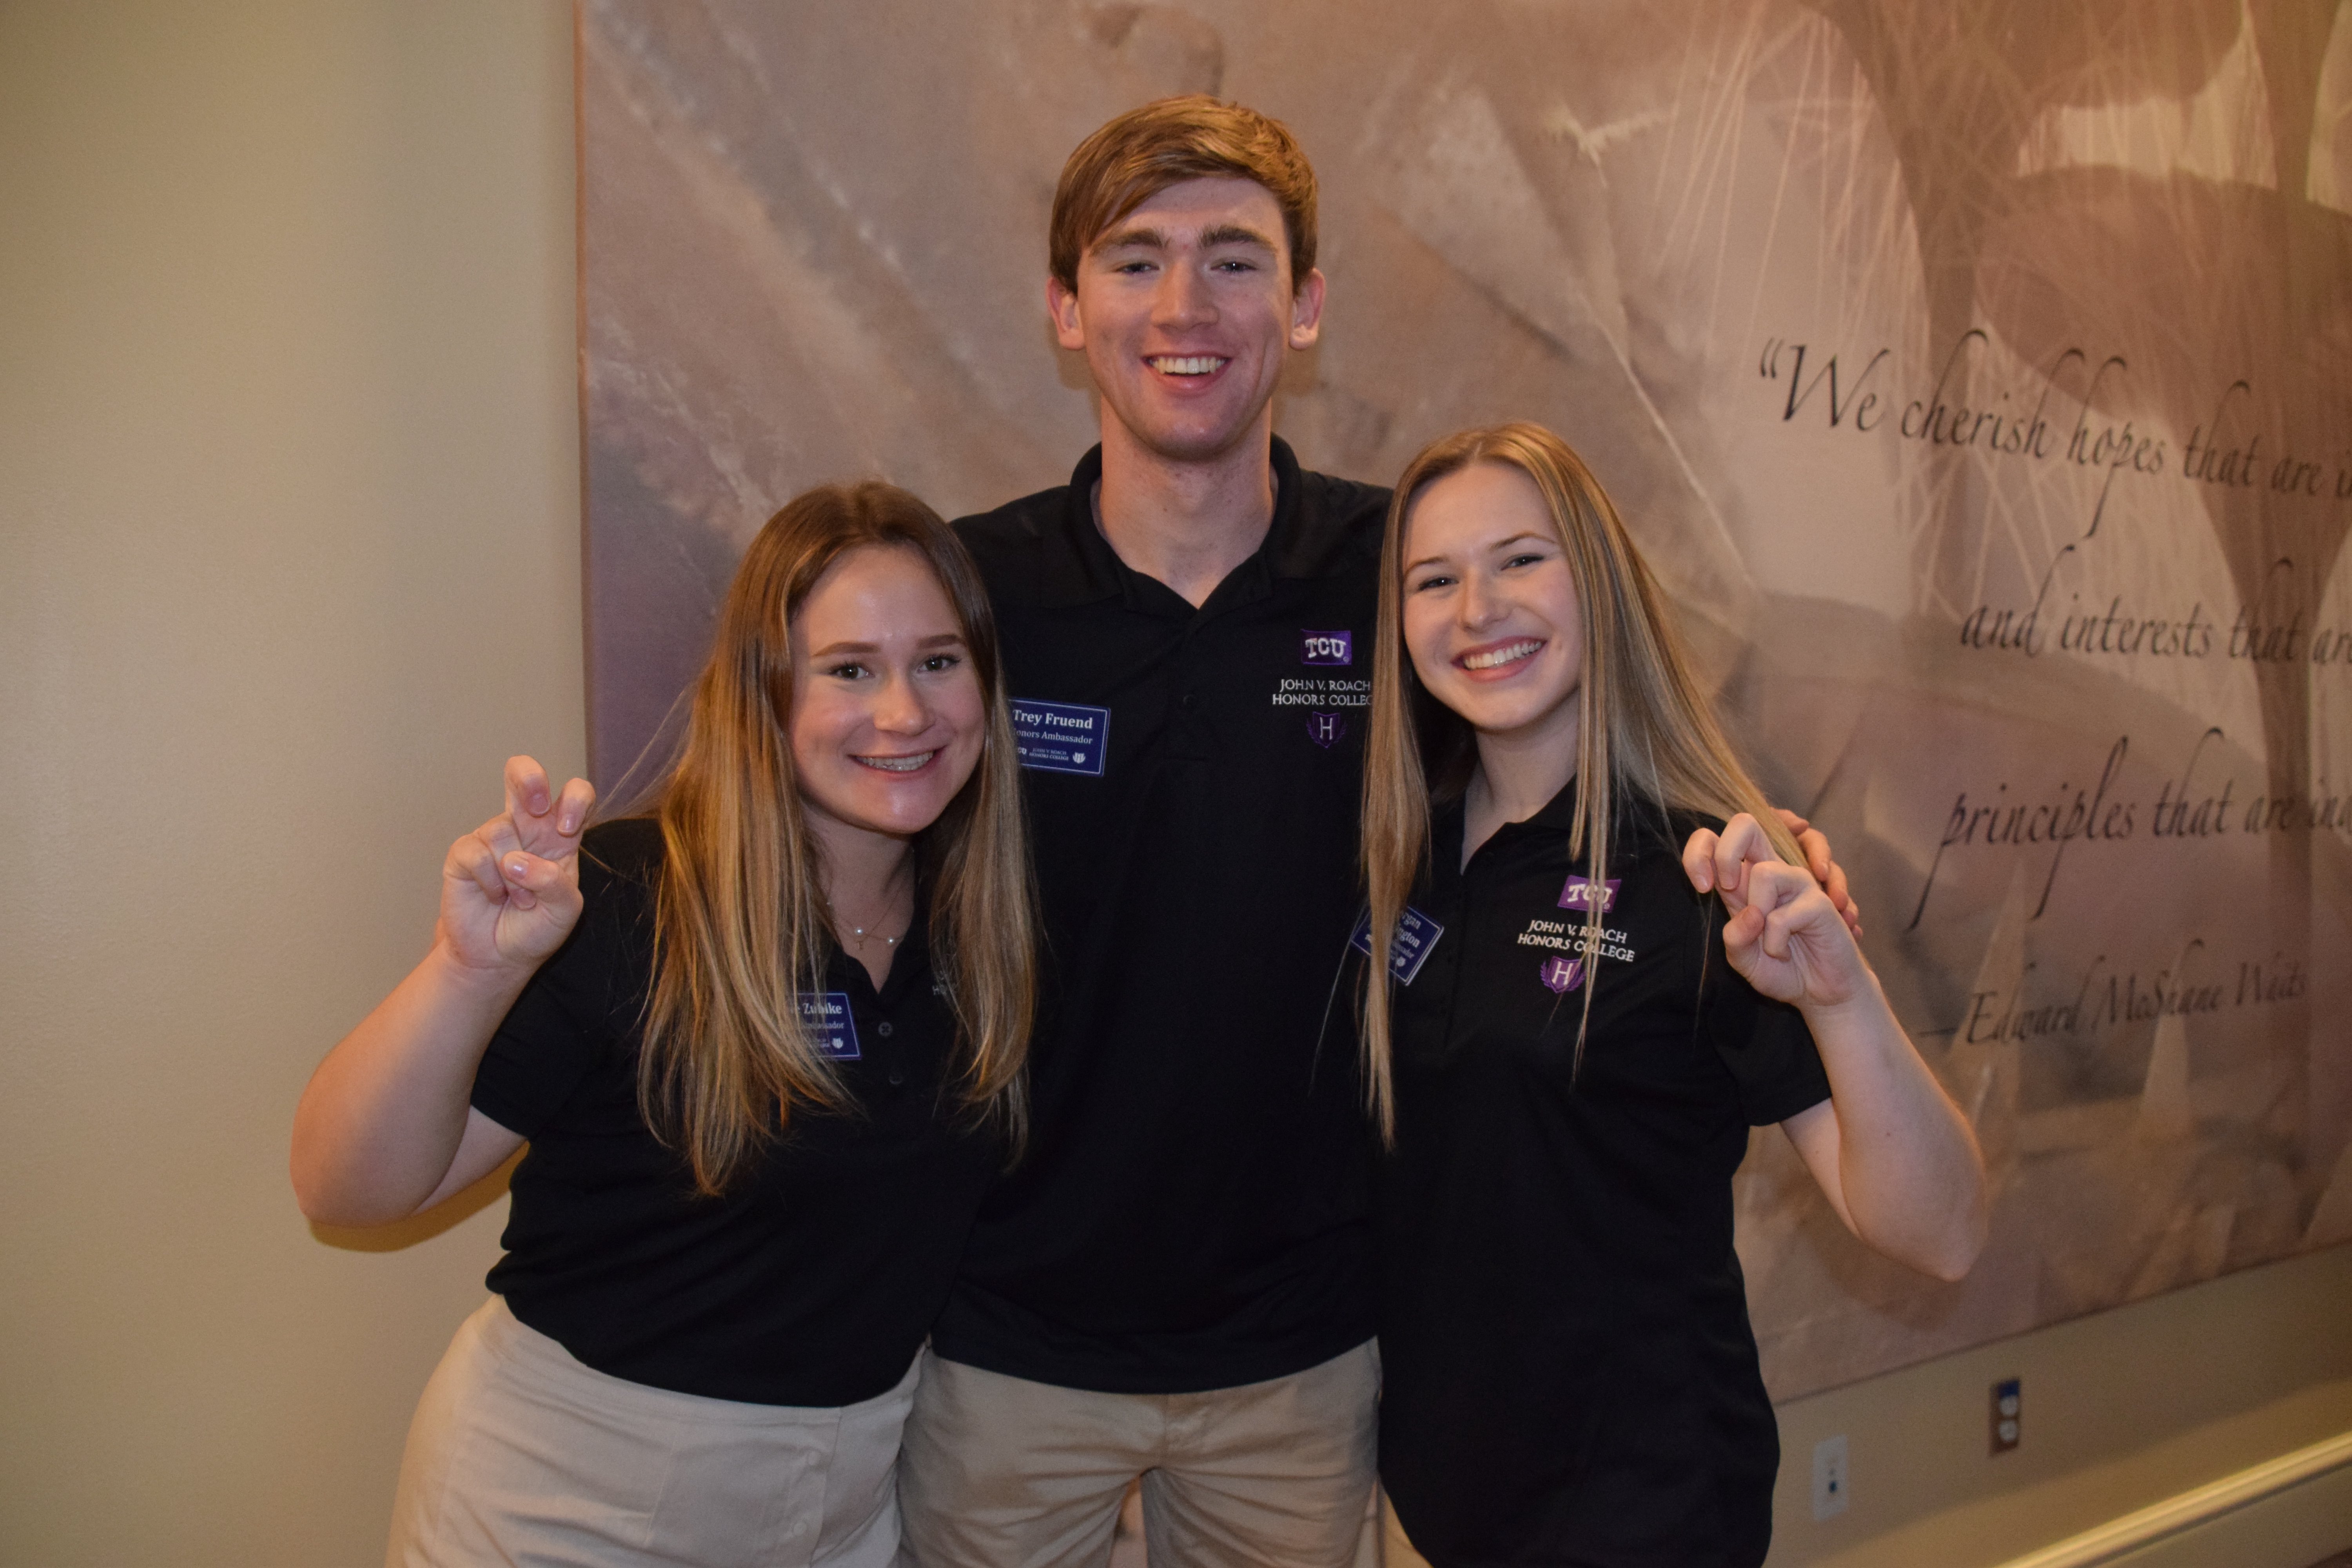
<point>2191,1509</point>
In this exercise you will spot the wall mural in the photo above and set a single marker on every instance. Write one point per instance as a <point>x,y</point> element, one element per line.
<point>1978,374</point>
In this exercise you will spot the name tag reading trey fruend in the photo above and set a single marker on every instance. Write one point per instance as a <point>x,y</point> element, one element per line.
<point>1416,934</point>
<point>1060,737</point>
<point>827,1017</point>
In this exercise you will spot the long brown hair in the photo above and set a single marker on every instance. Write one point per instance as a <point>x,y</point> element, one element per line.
<point>1645,728</point>
<point>741,926</point>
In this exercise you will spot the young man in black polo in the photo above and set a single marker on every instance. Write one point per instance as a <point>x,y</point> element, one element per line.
<point>1175,1281</point>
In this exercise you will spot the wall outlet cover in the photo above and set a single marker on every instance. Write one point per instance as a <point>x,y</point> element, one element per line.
<point>2007,1415</point>
<point>1830,1486</point>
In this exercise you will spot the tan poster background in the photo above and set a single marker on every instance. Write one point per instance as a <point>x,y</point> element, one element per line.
<point>1979,376</point>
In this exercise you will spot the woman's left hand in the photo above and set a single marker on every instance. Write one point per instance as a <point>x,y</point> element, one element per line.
<point>1714,860</point>
<point>1786,938</point>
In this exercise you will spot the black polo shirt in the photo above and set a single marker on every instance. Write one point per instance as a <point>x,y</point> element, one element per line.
<point>813,1280</point>
<point>1569,1372</point>
<point>1193,1212</point>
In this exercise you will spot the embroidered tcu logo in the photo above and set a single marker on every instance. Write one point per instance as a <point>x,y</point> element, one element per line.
<point>1328,647</point>
<point>1326,728</point>
<point>1582,891</point>
<point>1563,974</point>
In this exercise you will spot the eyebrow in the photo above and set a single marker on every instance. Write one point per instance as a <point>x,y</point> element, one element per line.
<point>1412,567</point>
<point>835,649</point>
<point>1136,237</point>
<point>1144,237</point>
<point>1235,233</point>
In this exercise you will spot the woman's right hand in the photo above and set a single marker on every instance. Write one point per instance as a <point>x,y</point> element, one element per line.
<point>510,889</point>
<point>385,1127</point>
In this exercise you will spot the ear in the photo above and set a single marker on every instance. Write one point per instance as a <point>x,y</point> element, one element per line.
<point>1061,305</point>
<point>1306,311</point>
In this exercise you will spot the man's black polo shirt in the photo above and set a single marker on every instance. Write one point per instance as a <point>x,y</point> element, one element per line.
<point>1192,1210</point>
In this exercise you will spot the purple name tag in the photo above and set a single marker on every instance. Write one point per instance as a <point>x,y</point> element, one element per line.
<point>1416,934</point>
<point>1328,647</point>
<point>1060,737</point>
<point>827,1017</point>
<point>1581,890</point>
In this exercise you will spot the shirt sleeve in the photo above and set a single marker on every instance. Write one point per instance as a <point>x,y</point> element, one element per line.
<point>1765,1043</point>
<point>575,1012</point>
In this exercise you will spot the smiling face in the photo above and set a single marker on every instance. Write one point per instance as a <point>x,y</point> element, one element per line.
<point>1185,311</point>
<point>1492,620</point>
<point>887,715</point>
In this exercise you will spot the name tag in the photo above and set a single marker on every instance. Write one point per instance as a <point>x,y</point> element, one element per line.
<point>827,1017</point>
<point>1416,934</point>
<point>1060,737</point>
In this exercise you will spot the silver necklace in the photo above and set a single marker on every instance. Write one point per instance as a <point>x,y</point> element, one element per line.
<point>859,932</point>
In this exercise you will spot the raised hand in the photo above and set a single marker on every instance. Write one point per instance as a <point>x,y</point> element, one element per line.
<point>510,889</point>
<point>1787,938</point>
<point>1716,861</point>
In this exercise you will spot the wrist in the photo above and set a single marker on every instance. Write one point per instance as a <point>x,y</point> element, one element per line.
<point>497,981</point>
<point>1860,997</point>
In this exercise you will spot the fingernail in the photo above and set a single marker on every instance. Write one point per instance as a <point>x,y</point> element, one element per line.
<point>568,824</point>
<point>517,869</point>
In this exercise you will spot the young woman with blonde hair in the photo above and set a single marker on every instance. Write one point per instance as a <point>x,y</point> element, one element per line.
<point>1572,1037</point>
<point>766,1045</point>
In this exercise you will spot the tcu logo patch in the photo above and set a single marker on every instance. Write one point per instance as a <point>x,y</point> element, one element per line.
<point>1328,647</point>
<point>1583,893</point>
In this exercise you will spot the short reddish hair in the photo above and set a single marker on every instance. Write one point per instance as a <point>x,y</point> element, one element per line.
<point>1141,153</point>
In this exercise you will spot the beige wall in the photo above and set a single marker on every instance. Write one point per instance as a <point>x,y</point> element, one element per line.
<point>289,560</point>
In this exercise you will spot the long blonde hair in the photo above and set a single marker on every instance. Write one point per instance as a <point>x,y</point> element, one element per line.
<point>741,926</point>
<point>1644,727</point>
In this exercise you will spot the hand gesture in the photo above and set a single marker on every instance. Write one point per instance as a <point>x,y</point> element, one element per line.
<point>1713,861</point>
<point>1788,942</point>
<point>510,889</point>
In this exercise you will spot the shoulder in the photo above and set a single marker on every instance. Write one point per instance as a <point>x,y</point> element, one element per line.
<point>1661,829</point>
<point>1014,535</point>
<point>621,858</point>
<point>1338,529</point>
<point>1357,509</point>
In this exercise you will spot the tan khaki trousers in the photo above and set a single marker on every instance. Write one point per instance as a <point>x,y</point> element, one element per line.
<point>1000,1472</point>
<point>519,1455</point>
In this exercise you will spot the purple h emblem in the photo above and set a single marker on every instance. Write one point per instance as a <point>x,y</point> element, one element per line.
<point>1563,974</point>
<point>1326,728</point>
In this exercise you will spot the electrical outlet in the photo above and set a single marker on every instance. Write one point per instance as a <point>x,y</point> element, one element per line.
<point>2008,1414</point>
<point>1829,1476</point>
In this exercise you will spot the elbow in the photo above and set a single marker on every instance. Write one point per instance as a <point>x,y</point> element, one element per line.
<point>1942,1241</point>
<point>326,1192</point>
<point>316,1192</point>
<point>322,1205</point>
<point>1952,1263</point>
<point>1963,1239</point>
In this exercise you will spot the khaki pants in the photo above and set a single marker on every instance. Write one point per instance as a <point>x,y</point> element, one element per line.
<point>1000,1472</point>
<point>521,1455</point>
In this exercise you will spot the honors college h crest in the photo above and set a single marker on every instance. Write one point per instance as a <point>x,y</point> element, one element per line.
<point>1563,974</point>
<point>1326,728</point>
